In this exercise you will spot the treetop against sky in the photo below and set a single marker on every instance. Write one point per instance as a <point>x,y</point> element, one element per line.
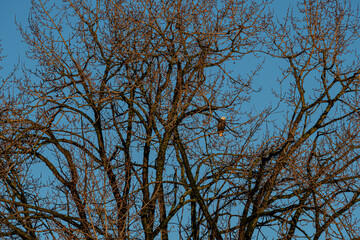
<point>179,119</point>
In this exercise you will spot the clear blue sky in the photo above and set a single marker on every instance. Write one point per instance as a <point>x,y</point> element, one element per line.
<point>10,38</point>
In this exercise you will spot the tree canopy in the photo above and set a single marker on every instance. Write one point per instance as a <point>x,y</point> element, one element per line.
<point>113,133</point>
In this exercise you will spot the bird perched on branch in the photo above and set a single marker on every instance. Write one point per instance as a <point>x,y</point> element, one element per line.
<point>221,126</point>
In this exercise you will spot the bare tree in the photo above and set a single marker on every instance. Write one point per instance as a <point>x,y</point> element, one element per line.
<point>303,177</point>
<point>113,135</point>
